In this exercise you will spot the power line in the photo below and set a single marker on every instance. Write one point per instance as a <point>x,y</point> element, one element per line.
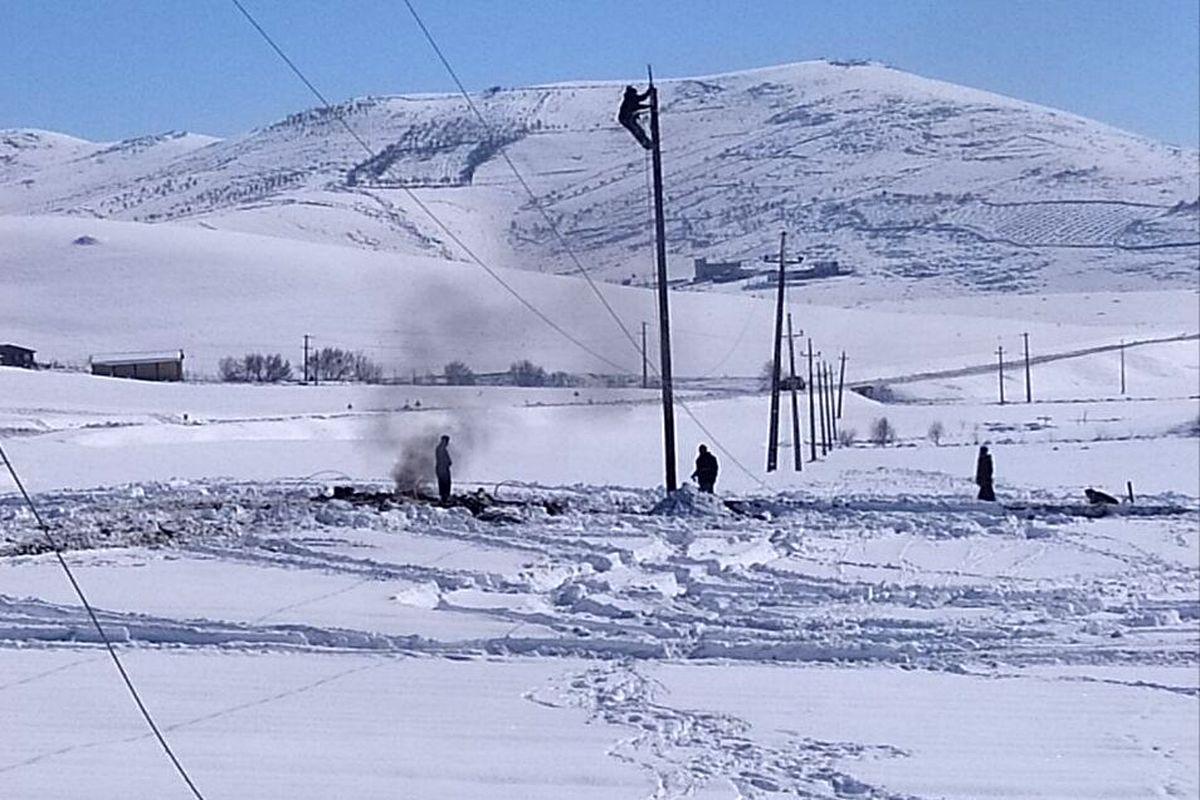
<point>100,629</point>
<point>558,234</point>
<point>537,203</point>
<point>421,205</point>
<point>475,258</point>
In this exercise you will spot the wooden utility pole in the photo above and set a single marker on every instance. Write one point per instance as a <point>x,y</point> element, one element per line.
<point>664,311</point>
<point>306,338</point>
<point>832,414</point>
<point>1122,367</point>
<point>797,439</point>
<point>841,383</point>
<point>1000,353</point>
<point>812,413</point>
<point>645,360</point>
<point>773,425</point>
<point>1028,390</point>
<point>821,407</point>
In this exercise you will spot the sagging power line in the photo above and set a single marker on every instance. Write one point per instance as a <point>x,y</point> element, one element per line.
<point>56,546</point>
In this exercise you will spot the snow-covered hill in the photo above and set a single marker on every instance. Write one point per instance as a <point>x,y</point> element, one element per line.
<point>927,185</point>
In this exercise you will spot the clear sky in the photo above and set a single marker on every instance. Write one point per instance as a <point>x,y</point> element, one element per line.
<point>110,69</point>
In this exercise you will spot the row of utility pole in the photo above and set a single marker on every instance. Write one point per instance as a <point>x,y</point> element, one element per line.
<point>824,410</point>
<point>1028,382</point>
<point>1028,379</point>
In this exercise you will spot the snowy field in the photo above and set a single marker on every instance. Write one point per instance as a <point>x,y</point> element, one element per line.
<point>863,629</point>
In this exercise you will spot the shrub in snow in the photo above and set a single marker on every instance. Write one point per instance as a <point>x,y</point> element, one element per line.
<point>936,432</point>
<point>847,436</point>
<point>882,432</point>
<point>86,240</point>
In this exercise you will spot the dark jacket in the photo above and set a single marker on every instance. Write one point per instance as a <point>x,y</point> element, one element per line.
<point>706,467</point>
<point>442,460</point>
<point>983,469</point>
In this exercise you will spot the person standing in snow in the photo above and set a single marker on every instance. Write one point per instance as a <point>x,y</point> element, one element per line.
<point>706,470</point>
<point>983,475</point>
<point>441,466</point>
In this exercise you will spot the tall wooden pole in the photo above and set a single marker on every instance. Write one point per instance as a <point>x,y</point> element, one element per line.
<point>1000,353</point>
<point>821,403</point>
<point>1028,389</point>
<point>776,365</point>
<point>664,312</point>
<point>645,360</point>
<point>797,439</point>
<point>841,383</point>
<point>1122,367</point>
<point>306,358</point>
<point>812,413</point>
<point>832,411</point>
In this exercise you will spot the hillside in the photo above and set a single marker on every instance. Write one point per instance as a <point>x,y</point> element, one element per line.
<point>919,186</point>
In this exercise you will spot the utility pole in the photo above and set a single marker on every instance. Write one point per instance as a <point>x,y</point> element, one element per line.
<point>664,312</point>
<point>832,414</point>
<point>797,439</point>
<point>821,406</point>
<point>812,413</point>
<point>841,383</point>
<point>1028,390</point>
<point>1000,353</point>
<point>306,338</point>
<point>645,360</point>
<point>773,426</point>
<point>1122,367</point>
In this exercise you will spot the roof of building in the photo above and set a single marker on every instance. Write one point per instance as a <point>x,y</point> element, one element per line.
<point>16,347</point>
<point>110,359</point>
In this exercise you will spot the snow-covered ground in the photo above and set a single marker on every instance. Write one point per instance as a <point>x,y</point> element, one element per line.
<point>862,629</point>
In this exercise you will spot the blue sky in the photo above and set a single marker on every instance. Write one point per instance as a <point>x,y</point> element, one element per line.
<point>109,69</point>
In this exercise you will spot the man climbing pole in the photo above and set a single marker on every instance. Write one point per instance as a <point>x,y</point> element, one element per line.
<point>631,104</point>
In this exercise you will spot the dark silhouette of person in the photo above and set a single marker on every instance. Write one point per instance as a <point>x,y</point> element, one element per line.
<point>1099,498</point>
<point>441,466</point>
<point>631,104</point>
<point>983,475</point>
<point>706,470</point>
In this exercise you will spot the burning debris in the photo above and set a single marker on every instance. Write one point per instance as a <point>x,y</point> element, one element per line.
<point>480,503</point>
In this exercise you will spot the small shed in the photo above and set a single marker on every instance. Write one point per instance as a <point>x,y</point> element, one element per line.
<point>12,355</point>
<point>165,366</point>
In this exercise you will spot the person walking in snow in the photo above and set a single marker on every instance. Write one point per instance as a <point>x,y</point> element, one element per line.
<point>441,467</point>
<point>983,475</point>
<point>706,470</point>
<point>631,104</point>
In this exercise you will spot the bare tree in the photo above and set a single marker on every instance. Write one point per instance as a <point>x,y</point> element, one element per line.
<point>526,373</point>
<point>255,368</point>
<point>882,432</point>
<point>457,373</point>
<point>936,432</point>
<point>231,370</point>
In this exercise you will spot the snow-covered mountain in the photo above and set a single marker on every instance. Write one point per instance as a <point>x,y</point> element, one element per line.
<point>893,175</point>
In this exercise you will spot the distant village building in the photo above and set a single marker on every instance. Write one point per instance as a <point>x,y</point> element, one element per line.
<point>12,355</point>
<point>719,271</point>
<point>167,366</point>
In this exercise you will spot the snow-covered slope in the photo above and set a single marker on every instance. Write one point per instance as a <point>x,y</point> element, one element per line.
<point>72,287</point>
<point>925,184</point>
